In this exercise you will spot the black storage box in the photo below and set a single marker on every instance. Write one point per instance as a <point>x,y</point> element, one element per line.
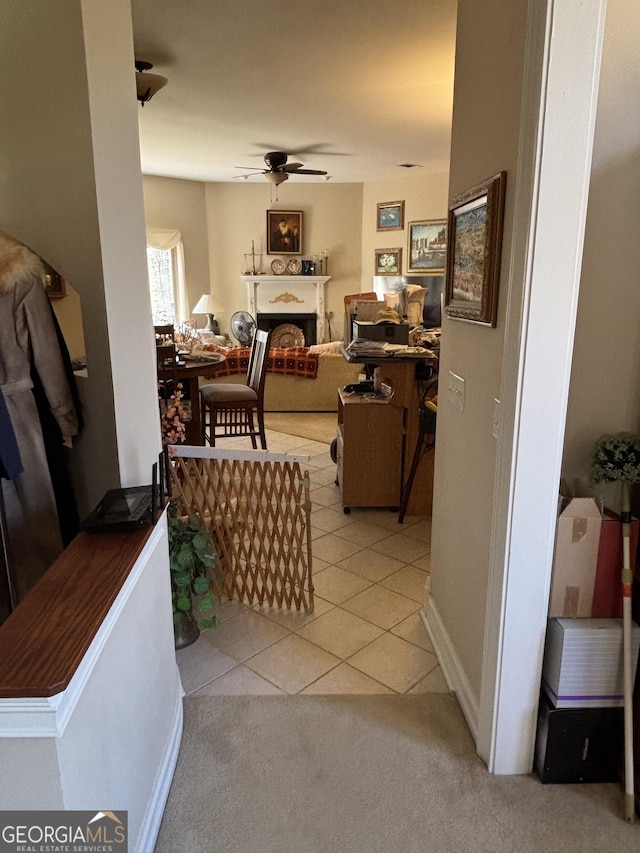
<point>579,744</point>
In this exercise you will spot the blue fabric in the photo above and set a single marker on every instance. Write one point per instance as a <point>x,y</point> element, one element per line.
<point>10,462</point>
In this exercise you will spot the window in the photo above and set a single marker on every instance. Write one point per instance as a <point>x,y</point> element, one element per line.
<point>161,285</point>
<point>165,261</point>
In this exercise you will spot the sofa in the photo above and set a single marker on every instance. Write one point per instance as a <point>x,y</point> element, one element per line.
<point>299,379</point>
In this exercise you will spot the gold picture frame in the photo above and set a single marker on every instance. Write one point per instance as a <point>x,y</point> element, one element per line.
<point>284,232</point>
<point>388,262</point>
<point>427,246</point>
<point>474,251</point>
<point>390,216</point>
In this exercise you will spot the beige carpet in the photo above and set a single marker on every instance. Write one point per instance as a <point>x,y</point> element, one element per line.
<point>365,774</point>
<point>318,426</point>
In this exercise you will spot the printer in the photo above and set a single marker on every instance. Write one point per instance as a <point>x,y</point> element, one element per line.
<point>383,331</point>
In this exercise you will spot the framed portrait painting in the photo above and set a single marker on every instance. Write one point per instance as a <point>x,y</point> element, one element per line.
<point>427,249</point>
<point>284,232</point>
<point>390,216</point>
<point>388,262</point>
<point>473,253</point>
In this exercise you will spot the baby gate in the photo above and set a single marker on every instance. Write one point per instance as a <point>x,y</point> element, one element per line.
<point>256,506</point>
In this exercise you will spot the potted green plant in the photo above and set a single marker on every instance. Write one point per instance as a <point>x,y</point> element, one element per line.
<point>192,562</point>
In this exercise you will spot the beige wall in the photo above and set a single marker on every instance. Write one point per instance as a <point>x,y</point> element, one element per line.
<point>171,203</point>
<point>66,166</point>
<point>220,221</point>
<point>68,311</point>
<point>339,218</point>
<point>425,197</point>
<point>605,391</point>
<point>236,215</point>
<point>486,121</point>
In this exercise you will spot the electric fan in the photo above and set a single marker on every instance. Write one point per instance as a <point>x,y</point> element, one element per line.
<point>243,326</point>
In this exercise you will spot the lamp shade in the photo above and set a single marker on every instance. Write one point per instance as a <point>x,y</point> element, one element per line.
<point>147,84</point>
<point>207,304</point>
<point>276,177</point>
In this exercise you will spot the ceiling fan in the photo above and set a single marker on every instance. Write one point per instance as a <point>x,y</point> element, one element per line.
<point>278,169</point>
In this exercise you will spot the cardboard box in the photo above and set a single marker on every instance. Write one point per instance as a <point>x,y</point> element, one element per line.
<point>583,745</point>
<point>607,592</point>
<point>575,559</point>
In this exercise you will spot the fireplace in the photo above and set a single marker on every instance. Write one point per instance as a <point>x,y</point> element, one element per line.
<point>306,322</point>
<point>297,299</point>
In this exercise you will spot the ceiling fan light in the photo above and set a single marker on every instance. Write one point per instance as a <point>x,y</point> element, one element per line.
<point>276,178</point>
<point>147,85</point>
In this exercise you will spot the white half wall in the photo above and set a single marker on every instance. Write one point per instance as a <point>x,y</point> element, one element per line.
<point>111,739</point>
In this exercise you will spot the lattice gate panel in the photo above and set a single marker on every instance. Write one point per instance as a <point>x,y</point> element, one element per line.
<point>257,508</point>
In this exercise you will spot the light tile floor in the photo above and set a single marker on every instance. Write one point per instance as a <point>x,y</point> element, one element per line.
<point>365,635</point>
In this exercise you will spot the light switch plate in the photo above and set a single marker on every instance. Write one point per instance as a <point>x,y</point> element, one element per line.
<point>455,391</point>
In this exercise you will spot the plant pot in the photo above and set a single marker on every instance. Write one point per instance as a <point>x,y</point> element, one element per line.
<point>186,631</point>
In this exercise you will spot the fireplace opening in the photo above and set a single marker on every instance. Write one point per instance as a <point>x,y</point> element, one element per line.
<point>305,322</point>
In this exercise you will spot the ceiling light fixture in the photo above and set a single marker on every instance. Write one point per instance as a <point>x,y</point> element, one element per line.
<point>147,84</point>
<point>276,177</point>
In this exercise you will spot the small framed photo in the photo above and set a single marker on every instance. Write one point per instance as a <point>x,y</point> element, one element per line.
<point>388,262</point>
<point>427,249</point>
<point>390,216</point>
<point>54,284</point>
<point>473,255</point>
<point>284,232</point>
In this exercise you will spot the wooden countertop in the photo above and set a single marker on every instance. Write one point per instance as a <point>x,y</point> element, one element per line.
<point>44,640</point>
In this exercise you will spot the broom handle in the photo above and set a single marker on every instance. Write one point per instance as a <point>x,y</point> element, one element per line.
<point>627,583</point>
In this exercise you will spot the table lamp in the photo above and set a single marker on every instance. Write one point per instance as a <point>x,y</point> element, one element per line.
<point>209,305</point>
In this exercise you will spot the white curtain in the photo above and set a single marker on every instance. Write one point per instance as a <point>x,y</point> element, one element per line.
<point>161,238</point>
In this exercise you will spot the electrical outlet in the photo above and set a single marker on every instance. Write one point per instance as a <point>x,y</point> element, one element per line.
<point>455,391</point>
<point>495,428</point>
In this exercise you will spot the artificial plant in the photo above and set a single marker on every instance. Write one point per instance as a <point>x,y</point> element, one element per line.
<point>192,562</point>
<point>616,459</point>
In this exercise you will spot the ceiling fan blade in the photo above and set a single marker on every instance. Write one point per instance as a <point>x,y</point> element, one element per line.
<point>303,171</point>
<point>288,167</point>
<point>252,168</point>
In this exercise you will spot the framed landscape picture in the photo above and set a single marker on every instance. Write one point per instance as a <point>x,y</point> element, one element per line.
<point>390,216</point>
<point>388,262</point>
<point>284,232</point>
<point>427,249</point>
<point>473,257</point>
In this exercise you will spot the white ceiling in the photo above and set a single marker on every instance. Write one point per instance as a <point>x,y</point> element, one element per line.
<point>354,87</point>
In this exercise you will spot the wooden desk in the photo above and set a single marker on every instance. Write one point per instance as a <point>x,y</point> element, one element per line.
<point>400,373</point>
<point>188,374</point>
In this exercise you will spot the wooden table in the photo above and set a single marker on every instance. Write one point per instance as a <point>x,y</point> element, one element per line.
<point>188,374</point>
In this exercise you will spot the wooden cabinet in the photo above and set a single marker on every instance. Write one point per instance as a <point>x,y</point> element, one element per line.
<point>369,452</point>
<point>377,441</point>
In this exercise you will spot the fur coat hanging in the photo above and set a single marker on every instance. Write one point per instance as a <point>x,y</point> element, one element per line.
<point>28,340</point>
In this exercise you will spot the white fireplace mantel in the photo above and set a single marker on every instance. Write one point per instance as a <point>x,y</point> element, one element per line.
<point>288,294</point>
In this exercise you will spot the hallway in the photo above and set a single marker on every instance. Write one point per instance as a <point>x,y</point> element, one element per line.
<point>366,634</point>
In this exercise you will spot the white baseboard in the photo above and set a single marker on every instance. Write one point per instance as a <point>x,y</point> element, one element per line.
<point>153,817</point>
<point>450,665</point>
